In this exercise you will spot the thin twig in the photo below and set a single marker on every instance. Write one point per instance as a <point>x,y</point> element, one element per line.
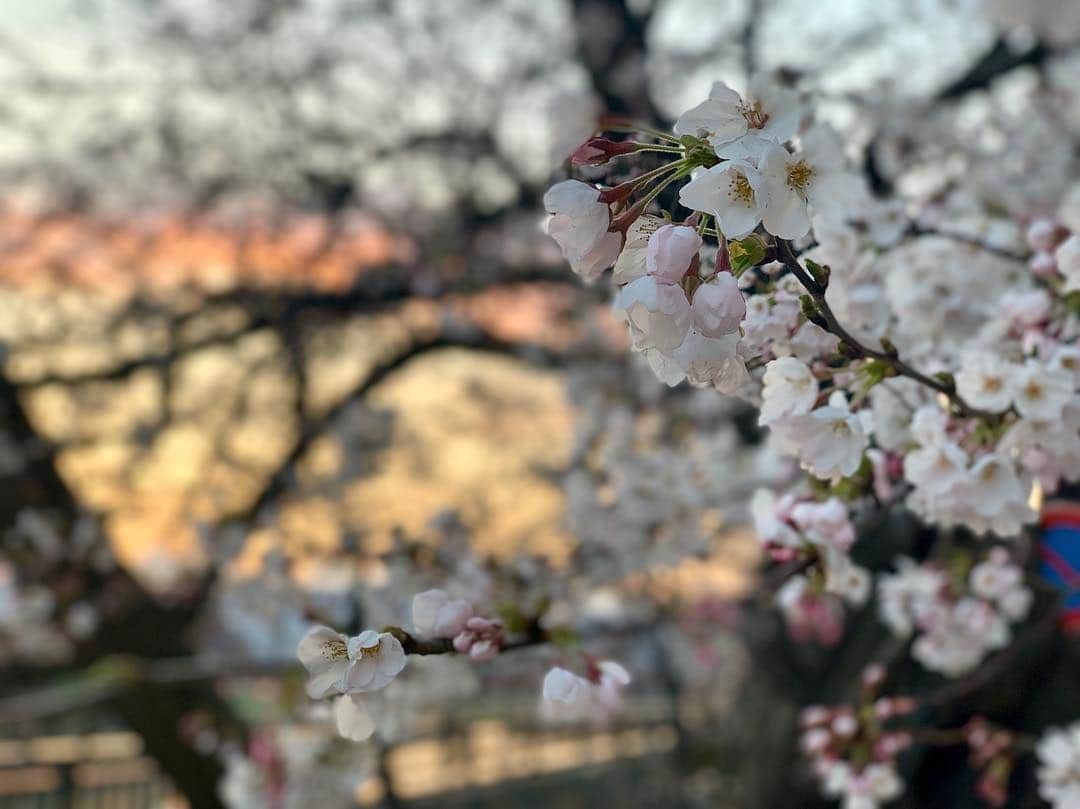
<point>829,322</point>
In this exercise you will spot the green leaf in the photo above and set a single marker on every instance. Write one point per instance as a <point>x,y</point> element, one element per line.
<point>746,253</point>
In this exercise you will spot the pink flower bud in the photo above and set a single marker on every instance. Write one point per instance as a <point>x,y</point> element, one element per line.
<point>814,715</point>
<point>845,725</point>
<point>670,251</point>
<point>479,624</point>
<point>883,708</point>
<point>1043,235</point>
<point>816,740</point>
<point>1042,265</point>
<point>889,744</point>
<point>873,676</point>
<point>483,650</point>
<point>992,790</point>
<point>718,306</point>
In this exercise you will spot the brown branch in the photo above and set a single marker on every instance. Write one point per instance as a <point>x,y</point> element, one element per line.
<point>162,360</point>
<point>279,482</point>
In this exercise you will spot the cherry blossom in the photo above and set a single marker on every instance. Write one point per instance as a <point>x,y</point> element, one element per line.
<point>579,223</point>
<point>718,306</point>
<point>670,251</point>
<point>957,629</point>
<point>733,192</point>
<point>658,314</point>
<point>986,381</point>
<point>1067,260</point>
<point>829,441</point>
<point>436,615</point>
<point>1058,752</point>
<point>596,698</point>
<point>377,659</point>
<point>740,128</point>
<point>815,176</point>
<point>325,654</point>
<point>867,788</point>
<point>789,389</point>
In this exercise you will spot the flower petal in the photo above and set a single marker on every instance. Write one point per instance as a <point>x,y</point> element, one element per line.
<point>352,718</point>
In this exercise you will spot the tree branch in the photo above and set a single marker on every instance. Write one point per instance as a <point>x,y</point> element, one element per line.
<point>830,323</point>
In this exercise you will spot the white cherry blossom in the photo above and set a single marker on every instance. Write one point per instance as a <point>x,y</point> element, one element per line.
<point>631,263</point>
<point>814,177</point>
<point>718,306</point>
<point>579,223</point>
<point>986,381</point>
<point>790,389</point>
<point>1058,752</point>
<point>741,128</point>
<point>733,192</point>
<point>670,251</point>
<point>702,361</point>
<point>1067,258</point>
<point>569,697</point>
<point>772,519</point>
<point>829,441</point>
<point>1041,392</point>
<point>825,523</point>
<point>352,718</point>
<point>865,788</point>
<point>658,314</point>
<point>377,659</point>
<point>325,654</point>
<point>436,615</point>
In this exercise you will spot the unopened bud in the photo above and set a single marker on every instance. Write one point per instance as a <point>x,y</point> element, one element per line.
<point>845,725</point>
<point>873,676</point>
<point>1043,264</point>
<point>810,311</point>
<point>889,347</point>
<point>598,151</point>
<point>820,273</point>
<point>1043,235</point>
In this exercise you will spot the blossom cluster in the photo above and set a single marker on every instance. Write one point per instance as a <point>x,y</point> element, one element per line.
<point>348,667</point>
<point>1058,753</point>
<point>821,534</point>
<point>898,359</point>
<point>851,751</point>
<point>958,619</point>
<point>597,696</point>
<point>752,261</point>
<point>436,615</point>
<point>992,756</point>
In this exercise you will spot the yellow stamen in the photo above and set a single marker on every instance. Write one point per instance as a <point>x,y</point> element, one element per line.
<point>335,650</point>
<point>739,188</point>
<point>799,175</point>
